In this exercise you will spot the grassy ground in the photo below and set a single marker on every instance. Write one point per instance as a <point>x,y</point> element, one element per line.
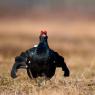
<point>79,54</point>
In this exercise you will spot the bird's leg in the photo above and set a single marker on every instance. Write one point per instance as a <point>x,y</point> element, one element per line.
<point>29,73</point>
<point>29,66</point>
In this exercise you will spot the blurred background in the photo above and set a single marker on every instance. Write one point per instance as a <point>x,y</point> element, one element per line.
<point>70,24</point>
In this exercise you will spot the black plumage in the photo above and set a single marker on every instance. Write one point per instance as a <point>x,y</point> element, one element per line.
<point>40,60</point>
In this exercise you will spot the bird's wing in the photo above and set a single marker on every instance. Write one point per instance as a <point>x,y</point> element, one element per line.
<point>24,55</point>
<point>59,61</point>
<point>56,58</point>
<point>21,61</point>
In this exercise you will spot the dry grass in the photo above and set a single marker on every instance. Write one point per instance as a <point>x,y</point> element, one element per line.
<point>80,82</point>
<point>79,53</point>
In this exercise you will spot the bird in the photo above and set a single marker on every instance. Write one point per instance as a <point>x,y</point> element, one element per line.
<point>40,60</point>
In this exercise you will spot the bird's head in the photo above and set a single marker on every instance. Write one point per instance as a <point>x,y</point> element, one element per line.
<point>43,36</point>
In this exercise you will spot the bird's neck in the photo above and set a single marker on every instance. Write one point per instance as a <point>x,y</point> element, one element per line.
<point>42,48</point>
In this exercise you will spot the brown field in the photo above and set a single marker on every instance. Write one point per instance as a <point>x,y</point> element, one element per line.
<point>75,40</point>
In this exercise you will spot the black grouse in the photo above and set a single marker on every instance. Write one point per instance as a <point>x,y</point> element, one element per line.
<point>40,60</point>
